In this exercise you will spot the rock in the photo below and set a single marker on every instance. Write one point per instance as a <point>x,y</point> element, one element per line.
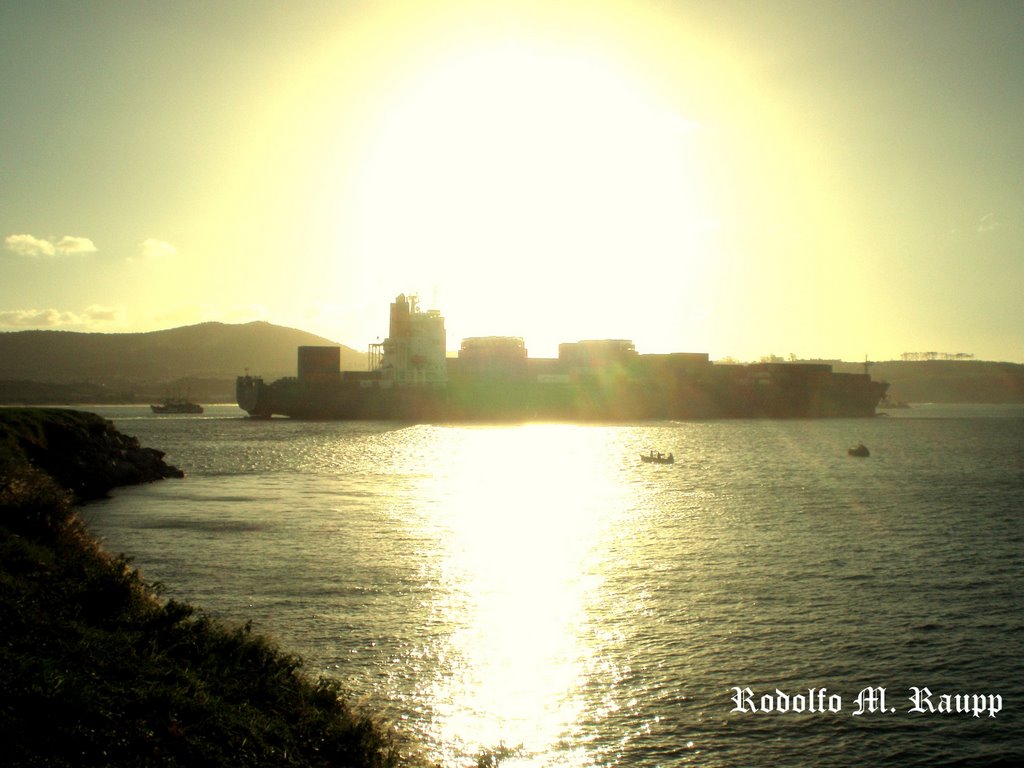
<point>83,452</point>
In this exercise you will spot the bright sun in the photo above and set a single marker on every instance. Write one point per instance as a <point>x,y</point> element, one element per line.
<point>533,192</point>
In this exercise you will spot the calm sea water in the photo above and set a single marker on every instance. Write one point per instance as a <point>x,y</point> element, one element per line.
<point>539,587</point>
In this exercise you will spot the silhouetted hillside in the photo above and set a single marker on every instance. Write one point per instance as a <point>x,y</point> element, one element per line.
<point>66,367</point>
<point>948,381</point>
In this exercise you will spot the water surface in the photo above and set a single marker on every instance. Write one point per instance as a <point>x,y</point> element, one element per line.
<point>538,586</point>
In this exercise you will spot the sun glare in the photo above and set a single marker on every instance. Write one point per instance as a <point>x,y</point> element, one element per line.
<point>546,170</point>
<point>515,179</point>
<point>518,567</point>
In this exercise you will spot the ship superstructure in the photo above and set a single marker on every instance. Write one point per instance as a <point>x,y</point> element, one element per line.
<point>494,379</point>
<point>414,351</point>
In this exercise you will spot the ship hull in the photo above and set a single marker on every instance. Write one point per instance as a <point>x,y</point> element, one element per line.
<point>726,396</point>
<point>338,400</point>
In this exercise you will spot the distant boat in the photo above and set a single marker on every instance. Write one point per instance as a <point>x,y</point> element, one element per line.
<point>177,405</point>
<point>860,450</point>
<point>657,458</point>
<point>888,403</point>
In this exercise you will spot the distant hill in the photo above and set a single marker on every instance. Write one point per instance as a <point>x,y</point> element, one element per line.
<point>947,381</point>
<point>147,362</point>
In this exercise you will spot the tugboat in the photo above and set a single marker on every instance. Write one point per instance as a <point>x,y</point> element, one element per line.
<point>177,405</point>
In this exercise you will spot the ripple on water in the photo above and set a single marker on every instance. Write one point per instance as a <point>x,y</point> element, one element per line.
<point>539,585</point>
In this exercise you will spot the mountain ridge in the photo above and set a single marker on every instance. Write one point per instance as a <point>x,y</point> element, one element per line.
<point>210,350</point>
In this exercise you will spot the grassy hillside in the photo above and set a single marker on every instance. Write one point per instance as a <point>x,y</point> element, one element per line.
<point>97,670</point>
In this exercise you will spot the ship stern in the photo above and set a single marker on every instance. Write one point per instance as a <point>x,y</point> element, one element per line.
<point>249,392</point>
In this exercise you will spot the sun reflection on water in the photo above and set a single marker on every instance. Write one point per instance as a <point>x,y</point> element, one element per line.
<point>519,535</point>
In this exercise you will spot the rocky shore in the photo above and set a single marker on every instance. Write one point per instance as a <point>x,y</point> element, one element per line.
<point>81,451</point>
<point>96,669</point>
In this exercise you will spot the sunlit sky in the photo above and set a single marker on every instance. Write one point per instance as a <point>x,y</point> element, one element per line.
<point>824,179</point>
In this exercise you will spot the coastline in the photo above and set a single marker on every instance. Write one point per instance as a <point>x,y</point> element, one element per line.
<point>97,669</point>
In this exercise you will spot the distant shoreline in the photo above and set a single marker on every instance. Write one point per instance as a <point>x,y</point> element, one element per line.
<point>926,381</point>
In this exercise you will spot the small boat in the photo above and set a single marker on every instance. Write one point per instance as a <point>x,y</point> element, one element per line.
<point>657,458</point>
<point>888,403</point>
<point>177,405</point>
<point>859,450</point>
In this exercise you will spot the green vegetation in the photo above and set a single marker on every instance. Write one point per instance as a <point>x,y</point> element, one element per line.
<point>83,452</point>
<point>97,670</point>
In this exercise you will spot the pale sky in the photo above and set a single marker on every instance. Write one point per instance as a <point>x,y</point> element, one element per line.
<point>824,179</point>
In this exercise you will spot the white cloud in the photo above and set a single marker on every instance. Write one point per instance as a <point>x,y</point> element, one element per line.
<point>36,318</point>
<point>56,318</point>
<point>69,245</point>
<point>29,245</point>
<point>99,313</point>
<point>152,248</point>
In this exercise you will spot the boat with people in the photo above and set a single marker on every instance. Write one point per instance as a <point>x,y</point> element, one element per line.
<point>177,405</point>
<point>657,458</point>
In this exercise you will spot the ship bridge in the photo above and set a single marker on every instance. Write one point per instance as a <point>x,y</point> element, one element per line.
<point>414,351</point>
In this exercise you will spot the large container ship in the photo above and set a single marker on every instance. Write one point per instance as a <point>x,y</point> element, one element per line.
<point>410,378</point>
